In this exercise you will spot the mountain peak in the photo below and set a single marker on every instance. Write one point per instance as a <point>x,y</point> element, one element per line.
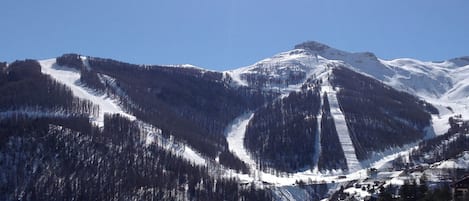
<point>312,45</point>
<point>460,61</point>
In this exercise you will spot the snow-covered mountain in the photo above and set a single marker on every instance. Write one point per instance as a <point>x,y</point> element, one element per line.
<point>425,79</point>
<point>445,84</point>
<point>314,112</point>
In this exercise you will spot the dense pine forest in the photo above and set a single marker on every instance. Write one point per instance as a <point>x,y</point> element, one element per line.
<point>49,150</point>
<point>192,105</point>
<point>283,134</point>
<point>46,159</point>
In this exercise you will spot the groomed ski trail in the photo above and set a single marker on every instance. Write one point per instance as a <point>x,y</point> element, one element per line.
<point>341,127</point>
<point>71,78</point>
<point>235,138</point>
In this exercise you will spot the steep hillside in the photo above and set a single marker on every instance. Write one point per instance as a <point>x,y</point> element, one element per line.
<point>282,134</point>
<point>85,128</point>
<point>45,159</point>
<point>51,148</point>
<point>442,83</point>
<point>363,112</point>
<point>190,104</point>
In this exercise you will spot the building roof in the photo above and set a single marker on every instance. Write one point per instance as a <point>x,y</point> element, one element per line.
<point>464,182</point>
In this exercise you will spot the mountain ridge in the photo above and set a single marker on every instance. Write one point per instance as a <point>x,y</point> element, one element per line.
<point>313,112</point>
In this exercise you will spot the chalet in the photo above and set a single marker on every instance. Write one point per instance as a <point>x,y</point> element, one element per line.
<point>461,189</point>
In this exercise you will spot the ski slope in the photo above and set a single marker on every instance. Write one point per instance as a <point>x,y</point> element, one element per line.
<point>341,127</point>
<point>71,78</point>
<point>235,138</point>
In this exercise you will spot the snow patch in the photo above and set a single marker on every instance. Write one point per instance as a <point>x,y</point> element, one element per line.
<point>193,156</point>
<point>462,162</point>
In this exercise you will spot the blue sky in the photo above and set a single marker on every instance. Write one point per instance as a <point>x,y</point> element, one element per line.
<point>225,34</point>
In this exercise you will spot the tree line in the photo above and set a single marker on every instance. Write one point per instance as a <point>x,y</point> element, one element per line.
<point>282,134</point>
<point>69,159</point>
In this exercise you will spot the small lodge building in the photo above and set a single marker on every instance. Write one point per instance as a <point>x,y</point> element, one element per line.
<point>460,189</point>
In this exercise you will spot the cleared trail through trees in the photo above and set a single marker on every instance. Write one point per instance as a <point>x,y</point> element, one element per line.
<point>71,78</point>
<point>235,136</point>
<point>342,130</point>
<point>317,146</point>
